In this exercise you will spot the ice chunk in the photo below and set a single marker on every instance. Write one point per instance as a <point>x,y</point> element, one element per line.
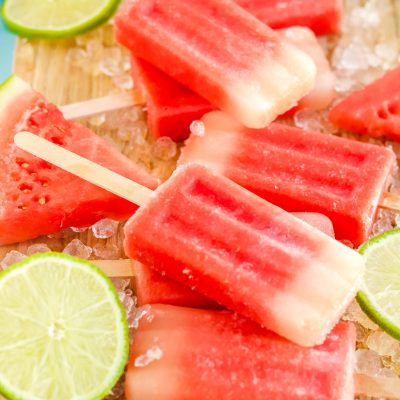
<point>97,120</point>
<point>120,284</point>
<point>197,128</point>
<point>106,252</point>
<point>110,62</point>
<point>127,301</point>
<point>105,228</point>
<point>11,258</point>
<point>368,362</point>
<point>164,148</point>
<point>383,344</point>
<point>151,355</point>
<point>37,248</point>
<point>76,56</point>
<point>123,81</point>
<point>77,249</point>
<point>355,314</point>
<point>141,312</point>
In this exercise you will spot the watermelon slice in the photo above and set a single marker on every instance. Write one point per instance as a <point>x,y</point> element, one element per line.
<point>323,16</point>
<point>183,353</point>
<point>374,110</point>
<point>153,288</point>
<point>38,198</point>
<point>171,107</point>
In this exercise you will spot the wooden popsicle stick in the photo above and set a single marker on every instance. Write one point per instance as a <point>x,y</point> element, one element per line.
<point>100,105</point>
<point>117,268</point>
<point>83,168</point>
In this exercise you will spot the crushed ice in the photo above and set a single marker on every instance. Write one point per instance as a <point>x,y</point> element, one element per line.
<point>151,355</point>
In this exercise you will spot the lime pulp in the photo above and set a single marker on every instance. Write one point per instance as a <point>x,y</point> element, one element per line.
<point>63,330</point>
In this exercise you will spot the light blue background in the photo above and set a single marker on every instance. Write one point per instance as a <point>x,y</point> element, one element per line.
<point>7,44</point>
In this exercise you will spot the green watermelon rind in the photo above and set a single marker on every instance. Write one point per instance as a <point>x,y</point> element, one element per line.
<point>105,14</point>
<point>10,90</point>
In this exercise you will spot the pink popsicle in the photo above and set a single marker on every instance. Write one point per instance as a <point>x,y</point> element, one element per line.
<point>298,170</point>
<point>324,17</point>
<point>153,288</point>
<point>182,353</point>
<point>172,106</point>
<point>221,52</point>
<point>210,234</point>
<point>324,90</point>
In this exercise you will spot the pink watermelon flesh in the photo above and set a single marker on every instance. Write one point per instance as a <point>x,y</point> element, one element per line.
<point>188,354</point>
<point>153,288</point>
<point>38,198</point>
<point>374,110</point>
<point>323,16</point>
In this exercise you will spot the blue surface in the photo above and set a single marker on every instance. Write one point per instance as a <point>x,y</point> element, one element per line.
<point>7,44</point>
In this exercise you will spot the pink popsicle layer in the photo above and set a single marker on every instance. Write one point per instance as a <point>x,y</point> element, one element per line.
<point>214,355</point>
<point>221,52</point>
<point>153,288</point>
<point>299,170</point>
<point>172,106</point>
<point>208,233</point>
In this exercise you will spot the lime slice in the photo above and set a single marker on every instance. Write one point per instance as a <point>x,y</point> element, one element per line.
<point>379,296</point>
<point>56,18</point>
<point>63,331</point>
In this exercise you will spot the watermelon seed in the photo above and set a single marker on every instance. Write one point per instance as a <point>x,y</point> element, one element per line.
<point>22,207</point>
<point>25,165</point>
<point>392,108</point>
<point>382,114</point>
<point>43,200</point>
<point>57,140</point>
<point>25,188</point>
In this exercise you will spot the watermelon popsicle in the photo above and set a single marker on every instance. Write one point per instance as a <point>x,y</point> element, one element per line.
<point>324,17</point>
<point>153,288</point>
<point>208,233</point>
<point>221,52</point>
<point>171,107</point>
<point>182,353</point>
<point>272,267</point>
<point>299,170</point>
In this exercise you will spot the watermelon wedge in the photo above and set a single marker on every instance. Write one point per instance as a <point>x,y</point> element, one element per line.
<point>373,110</point>
<point>323,16</point>
<point>153,288</point>
<point>38,198</point>
<point>183,353</point>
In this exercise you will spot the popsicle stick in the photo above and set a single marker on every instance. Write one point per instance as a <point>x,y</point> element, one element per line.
<point>83,168</point>
<point>100,105</point>
<point>117,268</point>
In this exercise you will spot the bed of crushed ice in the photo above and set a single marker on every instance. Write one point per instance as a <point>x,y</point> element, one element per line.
<point>367,48</point>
